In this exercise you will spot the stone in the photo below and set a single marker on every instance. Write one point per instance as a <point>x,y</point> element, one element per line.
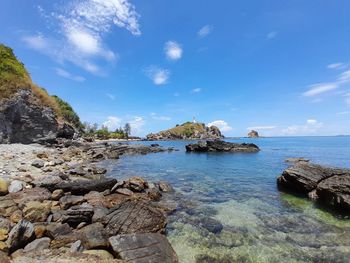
<point>102,254</point>
<point>165,187</point>
<point>4,184</point>
<point>124,191</point>
<point>76,246</point>
<point>134,216</point>
<point>30,194</point>
<point>5,226</point>
<point>36,211</point>
<point>57,194</point>
<point>53,230</point>
<point>94,236</point>
<point>81,187</point>
<point>20,235</point>
<point>38,244</point>
<point>99,213</point>
<point>136,184</point>
<point>154,194</point>
<point>222,146</point>
<point>15,186</point>
<point>95,198</point>
<point>3,247</point>
<point>38,163</point>
<point>70,200</point>
<point>210,224</point>
<point>296,160</point>
<point>139,248</point>
<point>39,230</point>
<point>7,206</point>
<point>16,216</point>
<point>253,134</point>
<point>77,214</point>
<point>3,257</point>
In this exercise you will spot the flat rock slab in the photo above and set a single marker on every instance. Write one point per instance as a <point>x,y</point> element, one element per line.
<point>143,248</point>
<point>328,186</point>
<point>222,146</point>
<point>134,216</point>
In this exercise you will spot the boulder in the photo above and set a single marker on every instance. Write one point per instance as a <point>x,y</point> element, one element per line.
<point>165,187</point>
<point>140,248</point>
<point>15,186</point>
<point>36,211</point>
<point>38,244</point>
<point>3,186</point>
<point>30,194</point>
<point>136,184</point>
<point>222,146</point>
<point>70,200</point>
<point>77,214</point>
<point>20,235</point>
<point>53,230</point>
<point>325,185</point>
<point>5,226</point>
<point>134,216</point>
<point>93,236</point>
<point>57,194</point>
<point>38,163</point>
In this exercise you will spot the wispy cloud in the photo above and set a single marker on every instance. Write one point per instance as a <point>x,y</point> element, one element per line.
<point>261,128</point>
<point>271,35</point>
<point>347,98</point>
<point>338,65</point>
<point>110,96</point>
<point>80,27</point>
<point>343,112</point>
<point>196,90</point>
<point>155,116</point>
<point>112,123</point>
<point>65,74</point>
<point>159,76</point>
<point>173,50</point>
<point>205,30</point>
<point>221,124</point>
<point>310,127</point>
<point>137,124</point>
<point>320,88</point>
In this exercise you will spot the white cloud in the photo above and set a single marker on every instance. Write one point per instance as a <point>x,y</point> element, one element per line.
<point>112,123</point>
<point>136,125</point>
<point>159,76</point>
<point>196,90</point>
<point>271,35</point>
<point>343,112</point>
<point>347,98</point>
<point>261,128</point>
<point>205,30</point>
<point>338,65</point>
<point>173,50</point>
<point>221,124</point>
<point>311,126</point>
<point>82,26</point>
<point>155,116</point>
<point>67,75</point>
<point>110,96</point>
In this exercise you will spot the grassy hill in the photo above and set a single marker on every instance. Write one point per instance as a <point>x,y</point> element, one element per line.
<point>14,76</point>
<point>188,129</point>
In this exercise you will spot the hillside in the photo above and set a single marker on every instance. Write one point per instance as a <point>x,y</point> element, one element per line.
<point>27,112</point>
<point>187,131</point>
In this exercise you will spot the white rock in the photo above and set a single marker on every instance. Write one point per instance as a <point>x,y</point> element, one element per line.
<point>15,186</point>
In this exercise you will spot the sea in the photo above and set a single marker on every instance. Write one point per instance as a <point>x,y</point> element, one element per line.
<point>228,206</point>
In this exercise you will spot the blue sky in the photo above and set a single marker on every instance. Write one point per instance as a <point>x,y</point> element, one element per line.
<point>280,67</point>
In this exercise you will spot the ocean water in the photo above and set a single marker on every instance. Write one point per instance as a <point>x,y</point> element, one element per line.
<point>260,223</point>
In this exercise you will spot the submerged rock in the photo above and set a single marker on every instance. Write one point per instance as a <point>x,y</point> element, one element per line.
<point>221,146</point>
<point>137,248</point>
<point>328,186</point>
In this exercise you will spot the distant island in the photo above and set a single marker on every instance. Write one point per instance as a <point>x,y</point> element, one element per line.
<point>253,134</point>
<point>187,131</point>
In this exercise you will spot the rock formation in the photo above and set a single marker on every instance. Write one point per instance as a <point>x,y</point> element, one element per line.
<point>187,131</point>
<point>221,146</point>
<point>253,134</point>
<point>327,186</point>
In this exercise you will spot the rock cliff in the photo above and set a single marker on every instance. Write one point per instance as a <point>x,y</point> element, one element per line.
<point>187,131</point>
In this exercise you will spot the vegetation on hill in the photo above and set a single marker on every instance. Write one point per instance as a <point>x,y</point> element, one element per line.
<point>188,129</point>
<point>104,134</point>
<point>67,112</point>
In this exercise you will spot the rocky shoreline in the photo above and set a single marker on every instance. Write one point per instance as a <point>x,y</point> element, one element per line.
<point>57,206</point>
<point>221,146</point>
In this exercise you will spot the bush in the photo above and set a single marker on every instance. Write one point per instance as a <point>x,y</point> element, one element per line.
<point>67,112</point>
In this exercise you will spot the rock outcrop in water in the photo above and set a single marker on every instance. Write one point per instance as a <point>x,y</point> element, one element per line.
<point>221,146</point>
<point>253,134</point>
<point>187,131</point>
<point>328,186</point>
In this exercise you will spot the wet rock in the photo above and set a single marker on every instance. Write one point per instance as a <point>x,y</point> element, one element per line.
<point>154,194</point>
<point>20,235</point>
<point>134,216</point>
<point>136,184</point>
<point>165,187</point>
<point>81,187</point>
<point>3,186</point>
<point>38,163</point>
<point>124,191</point>
<point>221,146</point>
<point>77,214</point>
<point>35,211</point>
<point>210,224</point>
<point>38,244</point>
<point>137,248</point>
<point>94,236</point>
<point>15,186</point>
<point>296,160</point>
<point>70,200</point>
<point>209,259</point>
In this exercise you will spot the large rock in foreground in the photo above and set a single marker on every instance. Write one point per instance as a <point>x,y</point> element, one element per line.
<point>142,248</point>
<point>328,186</point>
<point>221,146</point>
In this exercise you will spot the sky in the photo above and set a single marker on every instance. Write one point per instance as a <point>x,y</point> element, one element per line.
<point>281,67</point>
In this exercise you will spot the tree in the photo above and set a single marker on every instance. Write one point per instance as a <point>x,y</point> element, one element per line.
<point>127,129</point>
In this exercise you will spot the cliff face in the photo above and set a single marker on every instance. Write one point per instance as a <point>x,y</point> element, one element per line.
<point>28,113</point>
<point>187,131</point>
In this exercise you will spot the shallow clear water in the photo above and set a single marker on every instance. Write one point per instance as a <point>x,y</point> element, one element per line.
<point>260,224</point>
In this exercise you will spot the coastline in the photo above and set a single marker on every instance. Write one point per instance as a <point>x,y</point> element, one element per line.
<point>66,206</point>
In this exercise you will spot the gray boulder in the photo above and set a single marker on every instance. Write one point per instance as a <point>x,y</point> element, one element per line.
<point>221,146</point>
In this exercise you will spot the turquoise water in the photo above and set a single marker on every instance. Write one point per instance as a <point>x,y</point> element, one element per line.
<point>260,224</point>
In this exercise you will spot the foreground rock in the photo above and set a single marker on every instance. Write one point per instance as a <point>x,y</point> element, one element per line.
<point>142,248</point>
<point>221,146</point>
<point>328,186</point>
